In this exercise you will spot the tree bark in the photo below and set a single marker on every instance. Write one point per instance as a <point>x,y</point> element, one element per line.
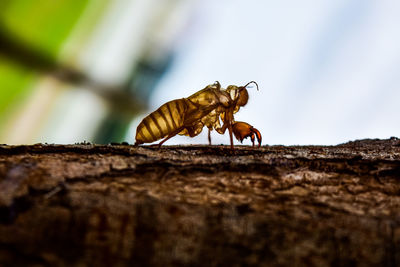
<point>118,205</point>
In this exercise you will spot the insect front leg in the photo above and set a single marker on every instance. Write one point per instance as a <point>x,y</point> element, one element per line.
<point>252,138</point>
<point>243,130</point>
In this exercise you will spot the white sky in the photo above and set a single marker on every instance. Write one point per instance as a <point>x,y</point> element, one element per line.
<point>329,71</point>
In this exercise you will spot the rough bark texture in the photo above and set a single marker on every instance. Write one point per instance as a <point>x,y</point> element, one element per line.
<point>117,205</point>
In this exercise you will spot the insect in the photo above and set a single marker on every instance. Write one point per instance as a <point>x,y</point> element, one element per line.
<point>188,116</point>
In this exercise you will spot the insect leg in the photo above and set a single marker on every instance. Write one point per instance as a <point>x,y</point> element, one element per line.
<point>209,136</point>
<point>227,124</point>
<point>258,135</point>
<point>252,138</point>
<point>170,136</point>
<point>228,120</point>
<point>230,135</point>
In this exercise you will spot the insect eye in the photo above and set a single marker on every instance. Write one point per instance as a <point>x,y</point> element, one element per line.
<point>243,97</point>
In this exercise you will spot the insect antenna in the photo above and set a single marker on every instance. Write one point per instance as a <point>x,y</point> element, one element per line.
<point>251,83</point>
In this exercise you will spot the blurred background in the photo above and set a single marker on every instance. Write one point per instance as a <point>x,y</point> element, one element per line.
<point>90,70</point>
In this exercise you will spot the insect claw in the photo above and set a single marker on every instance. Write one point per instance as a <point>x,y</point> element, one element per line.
<point>242,130</point>
<point>252,138</point>
<point>258,135</point>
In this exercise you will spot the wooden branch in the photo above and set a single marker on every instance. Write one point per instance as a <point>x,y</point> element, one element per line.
<point>200,205</point>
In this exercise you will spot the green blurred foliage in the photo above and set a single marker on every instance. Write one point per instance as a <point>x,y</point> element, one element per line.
<point>14,84</point>
<point>44,25</point>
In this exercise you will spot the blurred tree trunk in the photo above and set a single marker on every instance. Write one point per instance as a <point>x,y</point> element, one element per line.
<point>200,205</point>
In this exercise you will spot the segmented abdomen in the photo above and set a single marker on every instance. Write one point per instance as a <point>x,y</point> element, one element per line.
<point>165,120</point>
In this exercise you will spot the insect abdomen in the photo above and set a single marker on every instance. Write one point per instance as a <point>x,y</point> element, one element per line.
<point>165,120</point>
